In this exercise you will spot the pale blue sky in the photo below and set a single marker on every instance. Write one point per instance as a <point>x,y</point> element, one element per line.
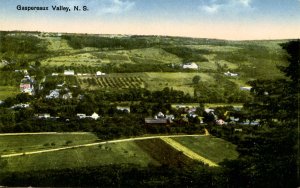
<point>229,19</point>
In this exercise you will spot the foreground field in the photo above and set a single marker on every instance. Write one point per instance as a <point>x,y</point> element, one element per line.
<point>141,151</point>
<point>10,144</point>
<point>210,147</point>
<point>117,153</point>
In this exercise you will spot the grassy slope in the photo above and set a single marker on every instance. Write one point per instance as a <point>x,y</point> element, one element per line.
<point>251,59</point>
<point>8,91</point>
<point>143,152</point>
<point>25,143</point>
<point>116,153</point>
<point>214,149</point>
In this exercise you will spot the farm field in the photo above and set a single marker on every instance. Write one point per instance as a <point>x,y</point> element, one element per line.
<point>114,153</point>
<point>8,91</point>
<point>115,82</point>
<point>142,152</point>
<point>154,66</point>
<point>24,143</point>
<point>209,147</point>
<point>179,81</point>
<point>150,80</point>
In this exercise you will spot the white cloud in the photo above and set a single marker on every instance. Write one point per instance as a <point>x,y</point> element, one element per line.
<point>115,6</point>
<point>244,2</point>
<point>211,9</point>
<point>229,6</point>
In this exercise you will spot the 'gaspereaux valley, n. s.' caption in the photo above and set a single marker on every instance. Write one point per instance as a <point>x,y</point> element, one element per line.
<point>52,8</point>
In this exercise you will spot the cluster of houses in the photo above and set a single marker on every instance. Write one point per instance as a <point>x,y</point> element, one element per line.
<point>56,93</point>
<point>94,116</point>
<point>160,118</point>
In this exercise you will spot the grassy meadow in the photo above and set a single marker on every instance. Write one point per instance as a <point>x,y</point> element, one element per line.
<point>114,153</point>
<point>8,91</point>
<point>212,148</point>
<point>142,152</point>
<point>10,144</point>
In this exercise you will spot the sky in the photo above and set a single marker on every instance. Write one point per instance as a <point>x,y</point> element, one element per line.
<point>221,19</point>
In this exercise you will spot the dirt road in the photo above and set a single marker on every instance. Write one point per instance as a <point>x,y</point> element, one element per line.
<point>186,151</point>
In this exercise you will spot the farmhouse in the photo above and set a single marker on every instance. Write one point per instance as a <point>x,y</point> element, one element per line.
<point>220,122</point>
<point>160,118</point>
<point>43,116</point>
<point>231,74</point>
<point>54,94</point>
<point>67,96</point>
<point>99,73</point>
<point>81,116</point>
<point>156,121</point>
<point>123,108</point>
<point>94,116</point>
<point>21,105</point>
<point>190,66</point>
<point>26,85</point>
<point>246,88</point>
<point>69,73</point>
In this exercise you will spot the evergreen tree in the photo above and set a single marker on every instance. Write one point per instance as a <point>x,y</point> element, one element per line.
<point>268,156</point>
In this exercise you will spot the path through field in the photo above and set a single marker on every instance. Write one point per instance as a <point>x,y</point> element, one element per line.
<point>91,144</point>
<point>186,151</point>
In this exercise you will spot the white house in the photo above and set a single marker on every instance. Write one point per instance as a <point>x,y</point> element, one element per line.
<point>69,72</point>
<point>43,116</point>
<point>123,108</point>
<point>99,73</point>
<point>54,74</point>
<point>160,115</point>
<point>81,116</point>
<point>21,105</point>
<point>26,85</point>
<point>95,116</point>
<point>231,74</point>
<point>190,66</point>
<point>67,96</point>
<point>246,88</point>
<point>54,94</point>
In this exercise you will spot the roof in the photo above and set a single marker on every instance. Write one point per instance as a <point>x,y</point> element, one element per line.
<point>190,66</point>
<point>68,72</point>
<point>156,121</point>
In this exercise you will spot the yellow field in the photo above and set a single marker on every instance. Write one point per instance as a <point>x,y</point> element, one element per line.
<point>186,151</point>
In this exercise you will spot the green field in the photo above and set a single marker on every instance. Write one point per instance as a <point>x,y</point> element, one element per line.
<point>143,152</point>
<point>214,149</point>
<point>25,143</point>
<point>157,64</point>
<point>116,153</point>
<point>8,91</point>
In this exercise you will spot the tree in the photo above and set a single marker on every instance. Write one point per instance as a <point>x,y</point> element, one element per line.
<point>268,156</point>
<point>196,79</point>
